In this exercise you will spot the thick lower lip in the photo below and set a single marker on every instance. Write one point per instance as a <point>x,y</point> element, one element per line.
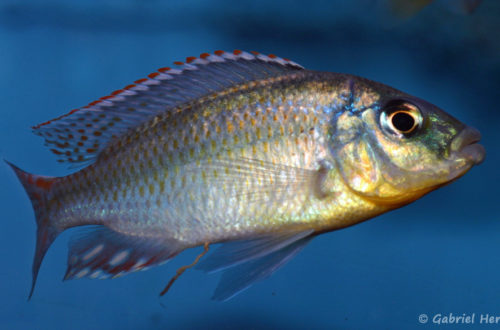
<point>474,152</point>
<point>465,145</point>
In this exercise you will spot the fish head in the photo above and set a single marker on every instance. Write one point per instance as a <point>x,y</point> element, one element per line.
<point>396,148</point>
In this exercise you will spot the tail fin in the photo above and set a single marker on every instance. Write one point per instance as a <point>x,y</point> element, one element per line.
<point>37,187</point>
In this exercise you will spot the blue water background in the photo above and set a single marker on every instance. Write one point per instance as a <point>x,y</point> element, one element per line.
<point>437,255</point>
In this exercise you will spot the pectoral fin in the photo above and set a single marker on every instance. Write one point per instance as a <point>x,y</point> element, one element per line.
<point>256,180</point>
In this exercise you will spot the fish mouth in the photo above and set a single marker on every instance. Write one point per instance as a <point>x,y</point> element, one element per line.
<point>465,146</point>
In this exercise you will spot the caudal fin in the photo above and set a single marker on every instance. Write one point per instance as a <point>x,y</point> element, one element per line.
<point>38,187</point>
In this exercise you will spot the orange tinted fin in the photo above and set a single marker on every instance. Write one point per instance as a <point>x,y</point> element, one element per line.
<point>38,189</point>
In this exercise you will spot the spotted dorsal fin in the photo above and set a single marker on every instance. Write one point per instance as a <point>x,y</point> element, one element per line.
<point>79,136</point>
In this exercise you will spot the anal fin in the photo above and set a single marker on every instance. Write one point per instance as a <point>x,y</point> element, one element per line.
<point>103,253</point>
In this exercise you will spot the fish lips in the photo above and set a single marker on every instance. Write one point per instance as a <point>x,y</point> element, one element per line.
<point>465,145</point>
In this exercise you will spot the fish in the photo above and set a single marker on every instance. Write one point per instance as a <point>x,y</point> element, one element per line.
<point>249,152</point>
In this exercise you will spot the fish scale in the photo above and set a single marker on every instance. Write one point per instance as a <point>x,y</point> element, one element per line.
<point>239,148</point>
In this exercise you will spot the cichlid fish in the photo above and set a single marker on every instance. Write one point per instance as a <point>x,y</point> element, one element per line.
<point>239,148</point>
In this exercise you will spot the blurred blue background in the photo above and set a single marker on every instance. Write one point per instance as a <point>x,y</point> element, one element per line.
<point>437,255</point>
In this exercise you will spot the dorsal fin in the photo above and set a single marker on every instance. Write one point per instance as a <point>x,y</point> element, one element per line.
<point>80,135</point>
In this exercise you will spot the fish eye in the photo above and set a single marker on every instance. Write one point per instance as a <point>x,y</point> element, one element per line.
<point>401,118</point>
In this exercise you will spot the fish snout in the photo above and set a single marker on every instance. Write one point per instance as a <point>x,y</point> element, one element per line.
<point>465,145</point>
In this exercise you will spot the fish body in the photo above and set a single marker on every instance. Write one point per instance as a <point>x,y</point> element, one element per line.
<point>202,172</point>
<point>244,149</point>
